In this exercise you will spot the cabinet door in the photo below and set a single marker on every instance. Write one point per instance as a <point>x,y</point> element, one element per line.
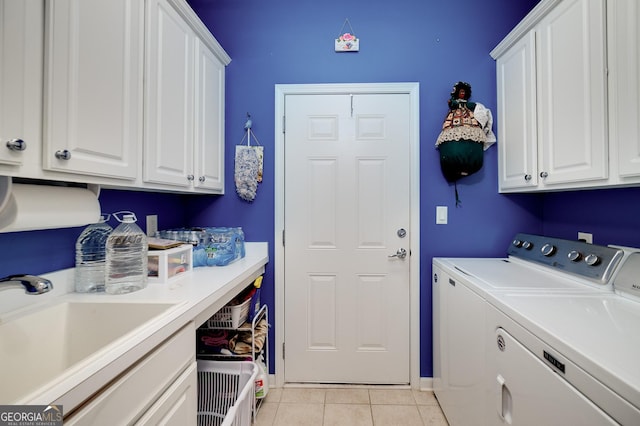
<point>21,55</point>
<point>209,120</point>
<point>169,97</point>
<point>518,152</point>
<point>178,406</point>
<point>624,84</point>
<point>155,377</point>
<point>93,87</point>
<point>571,70</point>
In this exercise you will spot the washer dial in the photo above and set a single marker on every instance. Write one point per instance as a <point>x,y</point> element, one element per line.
<point>592,259</point>
<point>574,255</point>
<point>548,250</point>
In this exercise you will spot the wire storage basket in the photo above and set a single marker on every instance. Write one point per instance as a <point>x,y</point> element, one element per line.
<point>226,392</point>
<point>230,316</point>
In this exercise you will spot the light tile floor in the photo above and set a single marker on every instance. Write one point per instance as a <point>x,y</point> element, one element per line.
<point>350,407</point>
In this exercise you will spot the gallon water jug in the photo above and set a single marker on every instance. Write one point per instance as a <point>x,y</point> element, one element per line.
<point>262,379</point>
<point>90,257</point>
<point>126,268</point>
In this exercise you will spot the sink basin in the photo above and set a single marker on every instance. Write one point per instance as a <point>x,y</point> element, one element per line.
<point>38,347</point>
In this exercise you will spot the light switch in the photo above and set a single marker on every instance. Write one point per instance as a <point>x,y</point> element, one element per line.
<point>441,215</point>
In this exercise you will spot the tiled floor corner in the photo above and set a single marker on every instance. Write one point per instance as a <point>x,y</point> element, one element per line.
<point>350,407</point>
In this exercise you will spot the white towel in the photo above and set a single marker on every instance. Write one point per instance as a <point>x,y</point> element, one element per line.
<point>485,118</point>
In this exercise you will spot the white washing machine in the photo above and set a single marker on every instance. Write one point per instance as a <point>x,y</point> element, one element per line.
<point>546,336</point>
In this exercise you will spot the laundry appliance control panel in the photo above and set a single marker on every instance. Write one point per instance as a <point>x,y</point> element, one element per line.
<point>593,262</point>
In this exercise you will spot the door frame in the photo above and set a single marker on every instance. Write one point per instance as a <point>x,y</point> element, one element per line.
<point>413,90</point>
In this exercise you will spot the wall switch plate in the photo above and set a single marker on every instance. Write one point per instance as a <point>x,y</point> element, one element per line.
<point>586,237</point>
<point>152,225</point>
<point>441,215</point>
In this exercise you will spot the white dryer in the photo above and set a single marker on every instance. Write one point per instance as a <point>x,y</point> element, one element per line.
<point>539,337</point>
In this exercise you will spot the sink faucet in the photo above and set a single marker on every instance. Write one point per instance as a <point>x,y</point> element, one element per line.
<point>31,283</point>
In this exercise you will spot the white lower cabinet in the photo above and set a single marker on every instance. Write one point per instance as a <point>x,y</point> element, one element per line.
<point>178,405</point>
<point>162,385</point>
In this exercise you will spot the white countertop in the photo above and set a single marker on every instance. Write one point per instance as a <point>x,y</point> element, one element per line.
<point>197,296</point>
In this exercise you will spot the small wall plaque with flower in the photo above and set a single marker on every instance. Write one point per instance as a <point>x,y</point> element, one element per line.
<point>347,41</point>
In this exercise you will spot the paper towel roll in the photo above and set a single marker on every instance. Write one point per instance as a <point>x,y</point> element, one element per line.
<point>31,207</point>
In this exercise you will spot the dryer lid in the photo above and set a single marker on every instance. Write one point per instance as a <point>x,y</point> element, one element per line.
<point>627,281</point>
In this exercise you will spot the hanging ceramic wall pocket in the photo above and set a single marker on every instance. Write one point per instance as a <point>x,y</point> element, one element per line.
<point>347,41</point>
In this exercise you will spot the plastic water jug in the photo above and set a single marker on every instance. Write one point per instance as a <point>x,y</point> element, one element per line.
<point>126,267</point>
<point>91,248</point>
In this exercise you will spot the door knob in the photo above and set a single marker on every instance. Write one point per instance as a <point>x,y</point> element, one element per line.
<point>400,254</point>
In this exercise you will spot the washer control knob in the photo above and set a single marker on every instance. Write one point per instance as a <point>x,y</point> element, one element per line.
<point>548,250</point>
<point>527,245</point>
<point>517,243</point>
<point>591,260</point>
<point>574,255</point>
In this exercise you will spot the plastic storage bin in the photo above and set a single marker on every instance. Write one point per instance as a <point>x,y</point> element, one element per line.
<point>230,316</point>
<point>226,392</point>
<point>169,264</point>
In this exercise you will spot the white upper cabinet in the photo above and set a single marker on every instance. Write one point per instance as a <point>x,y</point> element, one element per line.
<point>552,110</point>
<point>94,87</point>
<point>624,87</point>
<point>168,146</point>
<point>572,88</point>
<point>184,117</point>
<point>209,120</point>
<point>517,124</point>
<point>120,93</point>
<point>21,56</point>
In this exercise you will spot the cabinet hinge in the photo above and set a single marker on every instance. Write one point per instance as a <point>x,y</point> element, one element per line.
<point>283,238</point>
<point>282,350</point>
<point>284,124</point>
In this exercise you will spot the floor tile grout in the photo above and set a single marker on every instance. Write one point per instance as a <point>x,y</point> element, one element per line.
<point>333,406</point>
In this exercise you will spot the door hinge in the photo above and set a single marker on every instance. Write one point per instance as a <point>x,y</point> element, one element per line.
<point>283,238</point>
<point>351,96</point>
<point>284,124</point>
<point>282,350</point>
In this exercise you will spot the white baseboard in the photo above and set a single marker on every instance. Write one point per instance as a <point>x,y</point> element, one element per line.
<point>426,383</point>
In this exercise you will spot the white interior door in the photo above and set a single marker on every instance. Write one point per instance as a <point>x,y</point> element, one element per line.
<point>346,205</point>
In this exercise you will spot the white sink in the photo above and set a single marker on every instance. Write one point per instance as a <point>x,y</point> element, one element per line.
<point>36,348</point>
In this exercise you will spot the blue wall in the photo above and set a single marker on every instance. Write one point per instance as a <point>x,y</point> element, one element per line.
<point>433,43</point>
<point>290,41</point>
<point>39,252</point>
<point>611,215</point>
